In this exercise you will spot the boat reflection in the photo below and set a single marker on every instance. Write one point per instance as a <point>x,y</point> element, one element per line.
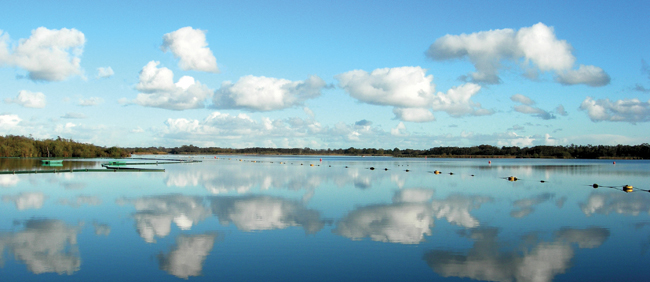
<point>533,260</point>
<point>46,245</point>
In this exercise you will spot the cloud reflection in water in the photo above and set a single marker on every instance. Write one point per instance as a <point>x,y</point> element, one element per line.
<point>534,261</point>
<point>188,255</point>
<point>409,218</point>
<point>252,213</point>
<point>45,245</point>
<point>154,214</point>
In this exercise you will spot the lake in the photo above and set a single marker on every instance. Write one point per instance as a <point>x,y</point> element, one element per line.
<point>300,218</point>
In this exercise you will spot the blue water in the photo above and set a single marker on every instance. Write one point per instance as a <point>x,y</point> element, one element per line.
<point>279,218</point>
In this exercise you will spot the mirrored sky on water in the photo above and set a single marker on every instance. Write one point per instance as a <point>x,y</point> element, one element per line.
<point>288,218</point>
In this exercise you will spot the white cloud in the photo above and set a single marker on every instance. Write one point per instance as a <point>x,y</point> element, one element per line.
<point>74,116</point>
<point>92,101</point>
<point>406,87</point>
<point>413,114</point>
<point>188,255</point>
<point>29,99</point>
<point>399,130</point>
<point>534,48</point>
<point>457,101</point>
<point>105,72</point>
<point>560,111</point>
<point>190,46</point>
<point>48,54</point>
<point>534,111</point>
<point>9,121</point>
<point>260,93</point>
<point>589,75</point>
<point>411,92</point>
<point>522,99</point>
<point>527,109</point>
<point>626,110</point>
<point>26,200</point>
<point>158,90</point>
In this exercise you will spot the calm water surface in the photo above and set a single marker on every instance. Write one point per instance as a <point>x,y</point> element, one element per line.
<point>282,219</point>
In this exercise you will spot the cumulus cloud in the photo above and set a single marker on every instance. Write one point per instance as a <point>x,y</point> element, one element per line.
<point>26,200</point>
<point>9,121</point>
<point>527,109</point>
<point>155,214</point>
<point>191,48</point>
<point>29,99</point>
<point>589,75</point>
<point>413,114</point>
<point>560,111</point>
<point>626,110</point>
<point>92,101</point>
<point>158,90</point>
<point>399,130</point>
<point>105,72</point>
<point>188,255</point>
<point>74,116</point>
<point>260,93</point>
<point>534,48</point>
<point>641,88</point>
<point>522,99</point>
<point>411,92</point>
<point>253,213</point>
<point>44,246</point>
<point>47,55</point>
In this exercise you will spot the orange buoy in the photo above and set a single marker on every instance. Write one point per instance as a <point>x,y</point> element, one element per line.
<point>489,162</point>
<point>614,162</point>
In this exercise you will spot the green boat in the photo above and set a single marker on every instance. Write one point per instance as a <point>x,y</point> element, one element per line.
<point>52,162</point>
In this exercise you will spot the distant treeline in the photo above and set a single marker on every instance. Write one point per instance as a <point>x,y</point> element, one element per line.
<point>27,147</point>
<point>20,146</point>
<point>563,152</point>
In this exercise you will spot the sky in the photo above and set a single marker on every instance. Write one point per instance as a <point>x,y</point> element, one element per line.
<point>326,74</point>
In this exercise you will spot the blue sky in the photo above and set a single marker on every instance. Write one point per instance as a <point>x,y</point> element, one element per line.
<point>335,74</point>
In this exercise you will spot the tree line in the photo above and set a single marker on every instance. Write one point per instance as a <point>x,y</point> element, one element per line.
<point>572,151</point>
<point>28,147</point>
<point>20,146</point>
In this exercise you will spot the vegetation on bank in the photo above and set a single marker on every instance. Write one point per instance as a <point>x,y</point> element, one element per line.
<point>20,146</point>
<point>28,147</point>
<point>483,151</point>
